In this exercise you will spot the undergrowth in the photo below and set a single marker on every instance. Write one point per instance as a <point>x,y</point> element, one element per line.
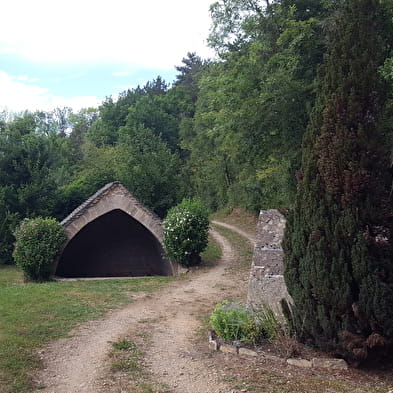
<point>233,322</point>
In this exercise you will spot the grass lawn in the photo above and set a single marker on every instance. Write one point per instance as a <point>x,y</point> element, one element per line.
<point>32,314</point>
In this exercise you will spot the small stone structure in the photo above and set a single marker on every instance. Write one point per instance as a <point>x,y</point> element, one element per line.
<point>266,285</point>
<point>112,234</point>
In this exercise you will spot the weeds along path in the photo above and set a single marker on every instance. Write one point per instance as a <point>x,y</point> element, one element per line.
<point>78,364</point>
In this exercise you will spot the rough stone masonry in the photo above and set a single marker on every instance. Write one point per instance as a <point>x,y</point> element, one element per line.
<point>266,285</point>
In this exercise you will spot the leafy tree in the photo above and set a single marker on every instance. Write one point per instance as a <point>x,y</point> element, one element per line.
<point>233,23</point>
<point>140,160</point>
<point>188,77</point>
<point>80,125</point>
<point>156,87</point>
<point>33,164</point>
<point>8,222</point>
<point>56,121</point>
<point>150,170</point>
<point>156,113</point>
<point>112,115</point>
<point>146,107</point>
<point>338,242</point>
<point>253,106</point>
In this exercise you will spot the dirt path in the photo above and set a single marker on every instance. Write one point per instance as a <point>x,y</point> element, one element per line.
<point>77,364</point>
<point>250,237</point>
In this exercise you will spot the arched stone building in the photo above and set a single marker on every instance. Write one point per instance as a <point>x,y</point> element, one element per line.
<point>113,235</point>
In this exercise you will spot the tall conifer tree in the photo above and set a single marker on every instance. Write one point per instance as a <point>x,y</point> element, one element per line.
<point>338,241</point>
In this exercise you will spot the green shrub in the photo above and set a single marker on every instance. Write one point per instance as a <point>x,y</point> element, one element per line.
<point>186,229</point>
<point>233,322</point>
<point>229,320</point>
<point>38,242</point>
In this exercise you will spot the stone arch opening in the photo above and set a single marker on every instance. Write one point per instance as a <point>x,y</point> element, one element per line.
<point>113,245</point>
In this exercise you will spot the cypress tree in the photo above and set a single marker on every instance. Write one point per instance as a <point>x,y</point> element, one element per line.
<point>338,240</point>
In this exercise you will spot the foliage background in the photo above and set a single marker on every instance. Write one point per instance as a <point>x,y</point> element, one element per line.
<point>227,130</point>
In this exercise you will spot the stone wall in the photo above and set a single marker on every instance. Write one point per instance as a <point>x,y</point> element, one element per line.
<point>266,285</point>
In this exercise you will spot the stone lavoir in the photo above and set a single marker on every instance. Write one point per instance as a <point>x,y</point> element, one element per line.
<point>113,235</point>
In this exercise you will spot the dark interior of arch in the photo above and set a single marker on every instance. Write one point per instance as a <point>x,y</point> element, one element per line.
<point>113,245</point>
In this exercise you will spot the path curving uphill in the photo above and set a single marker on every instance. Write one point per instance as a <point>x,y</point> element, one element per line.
<point>248,236</point>
<point>77,364</point>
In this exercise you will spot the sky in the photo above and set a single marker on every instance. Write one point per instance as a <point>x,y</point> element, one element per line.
<point>75,53</point>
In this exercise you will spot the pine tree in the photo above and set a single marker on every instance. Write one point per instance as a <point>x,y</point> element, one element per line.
<point>338,241</point>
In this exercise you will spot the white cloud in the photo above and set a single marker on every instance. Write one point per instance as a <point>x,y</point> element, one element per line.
<point>18,95</point>
<point>149,33</point>
<point>25,78</point>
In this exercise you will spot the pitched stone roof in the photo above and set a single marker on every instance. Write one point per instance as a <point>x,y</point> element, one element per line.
<point>100,195</point>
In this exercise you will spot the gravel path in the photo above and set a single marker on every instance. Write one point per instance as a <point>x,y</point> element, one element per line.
<point>77,364</point>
